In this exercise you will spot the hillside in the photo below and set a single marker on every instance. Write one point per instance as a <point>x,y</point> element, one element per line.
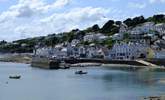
<point>108,29</point>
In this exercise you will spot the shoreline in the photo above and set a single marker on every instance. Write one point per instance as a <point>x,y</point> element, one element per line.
<point>27,58</point>
<point>17,58</point>
<point>134,67</point>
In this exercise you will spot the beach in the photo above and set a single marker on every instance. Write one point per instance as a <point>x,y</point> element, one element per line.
<point>25,58</point>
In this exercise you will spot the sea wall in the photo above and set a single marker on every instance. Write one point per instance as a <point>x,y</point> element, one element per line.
<point>127,62</point>
<point>160,62</point>
<point>43,62</point>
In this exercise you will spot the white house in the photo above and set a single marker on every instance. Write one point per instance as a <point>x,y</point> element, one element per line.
<point>105,52</point>
<point>123,28</point>
<point>163,37</point>
<point>60,52</point>
<point>146,27</point>
<point>82,51</point>
<point>143,28</point>
<point>94,36</point>
<point>160,28</point>
<point>75,42</point>
<point>128,51</point>
<point>45,51</point>
<point>159,54</point>
<point>118,36</point>
<point>72,51</point>
<point>92,51</point>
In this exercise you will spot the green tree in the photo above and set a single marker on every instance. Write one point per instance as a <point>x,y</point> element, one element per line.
<point>109,42</point>
<point>157,18</point>
<point>126,36</point>
<point>3,42</point>
<point>110,28</point>
<point>107,26</point>
<point>128,22</point>
<point>118,23</point>
<point>95,28</point>
<point>135,21</point>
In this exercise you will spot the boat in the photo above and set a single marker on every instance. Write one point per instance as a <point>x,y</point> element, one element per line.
<point>15,77</point>
<point>80,72</point>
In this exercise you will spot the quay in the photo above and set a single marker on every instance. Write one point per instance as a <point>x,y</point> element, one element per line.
<point>84,60</point>
<point>138,62</point>
<point>43,62</point>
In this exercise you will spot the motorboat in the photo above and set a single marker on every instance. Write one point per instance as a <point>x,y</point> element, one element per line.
<point>80,72</point>
<point>15,77</point>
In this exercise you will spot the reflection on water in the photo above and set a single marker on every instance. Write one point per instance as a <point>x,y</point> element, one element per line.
<point>98,84</point>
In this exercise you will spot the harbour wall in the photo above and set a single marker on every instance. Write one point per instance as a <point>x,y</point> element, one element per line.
<point>127,62</point>
<point>160,62</point>
<point>44,62</point>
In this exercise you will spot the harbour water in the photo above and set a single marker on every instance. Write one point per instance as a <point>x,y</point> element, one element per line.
<point>101,83</point>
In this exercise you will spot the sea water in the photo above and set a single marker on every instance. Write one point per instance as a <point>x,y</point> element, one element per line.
<point>101,83</point>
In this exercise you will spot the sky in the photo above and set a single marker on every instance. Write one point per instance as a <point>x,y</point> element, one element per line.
<point>21,19</point>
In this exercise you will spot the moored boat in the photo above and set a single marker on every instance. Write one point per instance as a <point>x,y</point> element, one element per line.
<point>15,77</point>
<point>80,72</point>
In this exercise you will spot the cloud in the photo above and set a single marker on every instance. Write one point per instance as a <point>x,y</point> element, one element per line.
<point>136,5</point>
<point>30,8</point>
<point>154,1</point>
<point>3,0</point>
<point>29,18</point>
<point>21,25</point>
<point>19,20</point>
<point>58,4</point>
<point>60,22</point>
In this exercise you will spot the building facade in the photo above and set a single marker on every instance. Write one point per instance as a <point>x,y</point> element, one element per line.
<point>128,51</point>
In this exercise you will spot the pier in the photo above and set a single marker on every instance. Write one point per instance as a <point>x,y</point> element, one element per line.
<point>115,64</point>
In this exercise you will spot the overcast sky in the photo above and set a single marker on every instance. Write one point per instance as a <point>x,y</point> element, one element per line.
<point>29,18</point>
